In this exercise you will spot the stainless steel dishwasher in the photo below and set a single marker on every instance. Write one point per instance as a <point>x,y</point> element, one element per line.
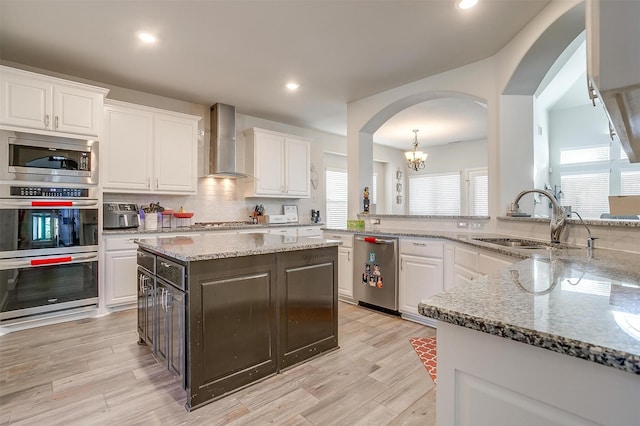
<point>375,280</point>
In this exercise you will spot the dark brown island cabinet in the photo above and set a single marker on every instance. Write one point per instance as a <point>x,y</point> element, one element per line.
<point>223,318</point>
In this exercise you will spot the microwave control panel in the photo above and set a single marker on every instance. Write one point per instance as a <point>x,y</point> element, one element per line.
<point>49,192</point>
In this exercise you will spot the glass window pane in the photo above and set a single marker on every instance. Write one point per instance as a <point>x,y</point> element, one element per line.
<point>437,194</point>
<point>630,183</point>
<point>586,193</point>
<point>584,155</point>
<point>337,198</point>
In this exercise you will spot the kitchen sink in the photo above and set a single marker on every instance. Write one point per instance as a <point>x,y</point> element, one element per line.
<point>513,242</point>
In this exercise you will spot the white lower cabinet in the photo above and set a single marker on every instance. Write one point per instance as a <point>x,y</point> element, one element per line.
<point>471,262</point>
<point>120,271</point>
<point>345,264</point>
<point>421,275</point>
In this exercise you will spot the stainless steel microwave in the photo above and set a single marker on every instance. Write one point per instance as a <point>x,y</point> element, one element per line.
<point>40,158</point>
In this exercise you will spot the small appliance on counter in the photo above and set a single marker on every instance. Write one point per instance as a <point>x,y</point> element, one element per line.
<point>120,215</point>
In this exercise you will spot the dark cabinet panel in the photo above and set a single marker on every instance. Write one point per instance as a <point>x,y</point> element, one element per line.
<point>146,308</point>
<point>308,303</point>
<point>233,318</point>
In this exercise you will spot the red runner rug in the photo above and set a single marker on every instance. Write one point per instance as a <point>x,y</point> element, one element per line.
<point>425,347</point>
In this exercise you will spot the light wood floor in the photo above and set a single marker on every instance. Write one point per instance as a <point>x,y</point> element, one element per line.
<point>92,372</point>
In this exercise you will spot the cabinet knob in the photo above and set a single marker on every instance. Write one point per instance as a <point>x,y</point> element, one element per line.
<point>57,122</point>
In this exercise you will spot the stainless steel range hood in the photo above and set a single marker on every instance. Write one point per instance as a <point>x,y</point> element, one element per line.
<point>221,149</point>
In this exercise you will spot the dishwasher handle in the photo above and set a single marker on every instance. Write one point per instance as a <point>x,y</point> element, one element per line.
<point>375,240</point>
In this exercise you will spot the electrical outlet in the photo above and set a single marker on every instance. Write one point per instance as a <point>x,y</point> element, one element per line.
<point>477,225</point>
<point>463,225</point>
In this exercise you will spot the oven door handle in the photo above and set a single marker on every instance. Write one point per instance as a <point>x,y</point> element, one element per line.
<point>4,204</point>
<point>30,262</point>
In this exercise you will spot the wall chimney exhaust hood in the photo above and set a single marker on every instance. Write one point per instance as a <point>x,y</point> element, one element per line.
<point>220,152</point>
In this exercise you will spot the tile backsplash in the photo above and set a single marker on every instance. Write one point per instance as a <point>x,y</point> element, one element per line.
<point>219,200</point>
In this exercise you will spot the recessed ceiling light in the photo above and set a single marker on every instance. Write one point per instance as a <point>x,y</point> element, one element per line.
<point>466,4</point>
<point>293,86</point>
<point>146,37</point>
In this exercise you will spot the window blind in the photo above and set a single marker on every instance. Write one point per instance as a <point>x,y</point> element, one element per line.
<point>584,155</point>
<point>479,193</point>
<point>337,198</point>
<point>586,193</point>
<point>435,194</point>
<point>630,183</point>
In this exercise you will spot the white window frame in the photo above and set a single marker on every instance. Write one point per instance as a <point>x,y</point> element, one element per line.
<point>471,191</point>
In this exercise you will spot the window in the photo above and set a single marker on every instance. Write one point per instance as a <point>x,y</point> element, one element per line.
<point>337,198</point>
<point>435,194</point>
<point>478,192</point>
<point>584,155</point>
<point>374,189</point>
<point>630,183</point>
<point>586,193</point>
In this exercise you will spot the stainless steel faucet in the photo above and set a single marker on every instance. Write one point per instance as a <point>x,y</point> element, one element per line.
<point>590,240</point>
<point>558,217</point>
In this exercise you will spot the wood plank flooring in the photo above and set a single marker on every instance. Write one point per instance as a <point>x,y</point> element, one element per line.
<point>92,372</point>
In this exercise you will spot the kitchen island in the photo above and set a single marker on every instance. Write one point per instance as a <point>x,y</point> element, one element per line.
<point>553,339</point>
<point>224,311</point>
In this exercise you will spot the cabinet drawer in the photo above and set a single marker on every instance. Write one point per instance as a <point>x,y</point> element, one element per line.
<point>347,239</point>
<point>467,258</point>
<point>147,261</point>
<point>120,244</point>
<point>171,272</point>
<point>422,247</point>
<point>309,231</point>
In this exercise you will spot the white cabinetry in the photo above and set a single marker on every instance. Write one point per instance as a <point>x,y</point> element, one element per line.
<point>279,164</point>
<point>421,275</point>
<point>613,66</point>
<point>149,150</point>
<point>309,231</point>
<point>490,380</point>
<point>49,105</point>
<point>120,270</point>
<point>345,264</point>
<point>471,262</point>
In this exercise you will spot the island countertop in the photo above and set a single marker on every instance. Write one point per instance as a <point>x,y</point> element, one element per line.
<point>215,246</point>
<point>571,301</point>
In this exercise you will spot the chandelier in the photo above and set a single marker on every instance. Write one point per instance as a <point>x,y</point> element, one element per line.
<point>415,158</point>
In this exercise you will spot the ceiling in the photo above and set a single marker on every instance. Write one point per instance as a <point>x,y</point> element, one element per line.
<point>243,52</point>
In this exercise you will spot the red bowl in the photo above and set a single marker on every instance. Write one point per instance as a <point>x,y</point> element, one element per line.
<point>183,215</point>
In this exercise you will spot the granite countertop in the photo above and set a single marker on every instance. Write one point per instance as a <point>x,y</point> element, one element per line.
<point>199,229</point>
<point>571,301</point>
<point>563,298</point>
<point>215,246</point>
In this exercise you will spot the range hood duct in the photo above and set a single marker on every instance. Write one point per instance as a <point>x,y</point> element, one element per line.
<point>222,144</point>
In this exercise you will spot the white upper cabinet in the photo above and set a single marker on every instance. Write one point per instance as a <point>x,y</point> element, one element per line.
<point>148,150</point>
<point>613,66</point>
<point>278,164</point>
<point>49,105</point>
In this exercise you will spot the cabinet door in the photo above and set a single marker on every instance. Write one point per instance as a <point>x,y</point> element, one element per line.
<point>76,110</point>
<point>176,330</point>
<point>126,153</point>
<point>345,273</point>
<point>297,168</point>
<point>175,144</point>
<point>420,277</point>
<point>489,263</point>
<point>146,311</point>
<point>120,274</point>
<point>162,321</point>
<point>462,275</point>
<point>269,164</point>
<point>26,102</point>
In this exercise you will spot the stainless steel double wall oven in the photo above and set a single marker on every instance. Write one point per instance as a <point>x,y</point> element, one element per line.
<point>48,225</point>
